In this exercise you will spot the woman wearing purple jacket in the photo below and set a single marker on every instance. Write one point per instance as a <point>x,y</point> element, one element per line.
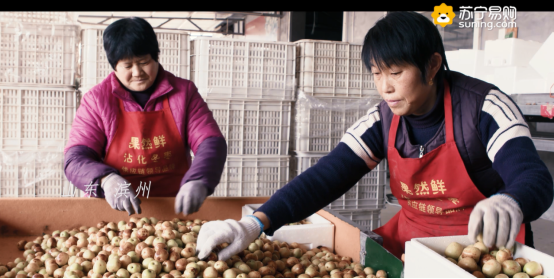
<point>133,133</point>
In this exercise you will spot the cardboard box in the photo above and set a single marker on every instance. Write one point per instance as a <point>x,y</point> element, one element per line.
<point>425,258</point>
<point>320,232</point>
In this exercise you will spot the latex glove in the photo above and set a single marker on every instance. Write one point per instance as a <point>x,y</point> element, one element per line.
<point>119,194</point>
<point>238,234</point>
<point>502,219</point>
<point>190,197</point>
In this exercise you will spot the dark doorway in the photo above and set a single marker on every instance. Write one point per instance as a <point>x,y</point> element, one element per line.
<point>316,25</point>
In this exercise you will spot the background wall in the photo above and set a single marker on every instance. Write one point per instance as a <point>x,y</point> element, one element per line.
<point>356,25</point>
<point>536,26</point>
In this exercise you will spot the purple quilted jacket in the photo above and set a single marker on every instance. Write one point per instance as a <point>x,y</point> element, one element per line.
<point>95,125</point>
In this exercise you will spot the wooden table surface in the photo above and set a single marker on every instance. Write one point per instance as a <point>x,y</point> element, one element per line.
<point>27,218</point>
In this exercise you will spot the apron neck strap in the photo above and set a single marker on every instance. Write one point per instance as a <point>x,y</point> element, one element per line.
<point>165,103</point>
<point>448,113</point>
<point>447,119</point>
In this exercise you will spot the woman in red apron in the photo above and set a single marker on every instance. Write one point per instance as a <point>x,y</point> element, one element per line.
<point>146,121</point>
<point>436,193</point>
<point>460,154</point>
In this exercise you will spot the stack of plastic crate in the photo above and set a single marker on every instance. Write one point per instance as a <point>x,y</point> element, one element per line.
<point>37,105</point>
<point>174,55</point>
<point>249,87</point>
<point>36,17</point>
<point>334,91</point>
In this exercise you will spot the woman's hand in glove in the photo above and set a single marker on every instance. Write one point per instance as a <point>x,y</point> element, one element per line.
<point>117,194</point>
<point>498,218</point>
<point>239,234</point>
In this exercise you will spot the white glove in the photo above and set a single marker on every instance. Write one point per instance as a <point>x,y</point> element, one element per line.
<point>190,197</point>
<point>119,194</point>
<point>238,234</point>
<point>502,219</point>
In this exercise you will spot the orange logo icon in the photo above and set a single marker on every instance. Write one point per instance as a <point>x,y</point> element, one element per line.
<point>443,15</point>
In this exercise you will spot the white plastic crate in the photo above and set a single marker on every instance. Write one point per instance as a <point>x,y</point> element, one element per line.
<point>320,232</point>
<point>469,62</point>
<point>509,78</point>
<point>36,118</point>
<point>34,174</point>
<point>174,55</point>
<point>253,127</point>
<point>368,193</point>
<point>425,258</point>
<point>510,52</point>
<point>367,220</point>
<point>224,68</point>
<point>36,17</point>
<point>41,54</point>
<point>322,122</point>
<point>253,176</point>
<point>332,69</point>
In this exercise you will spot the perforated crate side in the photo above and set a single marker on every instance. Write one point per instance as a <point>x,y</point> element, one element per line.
<point>36,17</point>
<point>320,129</point>
<point>223,68</point>
<point>368,193</point>
<point>33,174</point>
<point>36,118</point>
<point>253,176</point>
<point>368,220</point>
<point>332,69</point>
<point>174,55</point>
<point>253,127</point>
<point>38,54</point>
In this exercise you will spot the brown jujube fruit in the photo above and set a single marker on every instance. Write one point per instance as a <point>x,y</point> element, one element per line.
<point>264,270</point>
<point>140,247</point>
<point>297,269</point>
<point>288,274</point>
<point>503,255</point>
<point>174,256</point>
<point>521,261</point>
<point>251,257</point>
<point>468,264</point>
<point>212,257</point>
<point>210,272</point>
<point>147,253</point>
<point>485,258</point>
<point>479,274</point>
<point>292,261</point>
<point>161,255</point>
<point>125,260</point>
<point>181,264</point>
<point>126,248</point>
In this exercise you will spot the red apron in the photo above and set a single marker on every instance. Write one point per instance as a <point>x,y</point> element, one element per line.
<point>148,151</point>
<point>435,191</point>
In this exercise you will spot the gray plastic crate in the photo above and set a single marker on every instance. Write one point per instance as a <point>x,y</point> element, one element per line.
<point>253,127</point>
<point>238,69</point>
<point>253,176</point>
<point>332,69</point>
<point>38,54</point>
<point>368,193</point>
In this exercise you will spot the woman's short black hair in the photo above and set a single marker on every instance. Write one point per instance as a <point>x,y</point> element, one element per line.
<point>403,37</point>
<point>128,38</point>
